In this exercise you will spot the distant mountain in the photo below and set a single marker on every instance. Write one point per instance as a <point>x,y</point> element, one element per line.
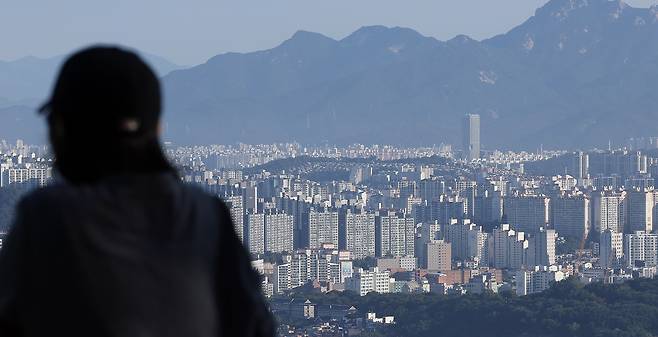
<point>22,122</point>
<point>577,73</point>
<point>27,81</point>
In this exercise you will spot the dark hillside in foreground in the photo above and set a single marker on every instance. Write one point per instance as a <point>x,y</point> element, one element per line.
<point>566,309</point>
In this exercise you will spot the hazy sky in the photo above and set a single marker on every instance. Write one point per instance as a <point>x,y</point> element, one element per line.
<point>191,31</point>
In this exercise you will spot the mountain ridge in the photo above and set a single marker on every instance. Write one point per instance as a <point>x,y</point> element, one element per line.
<point>576,74</point>
<point>28,80</point>
<point>577,68</point>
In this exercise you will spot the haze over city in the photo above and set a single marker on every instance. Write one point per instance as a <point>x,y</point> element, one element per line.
<point>289,168</point>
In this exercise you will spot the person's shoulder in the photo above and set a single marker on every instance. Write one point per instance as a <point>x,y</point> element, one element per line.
<point>47,203</point>
<point>47,195</point>
<point>197,194</point>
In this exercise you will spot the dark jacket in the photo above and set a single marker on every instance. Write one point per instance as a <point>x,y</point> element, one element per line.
<point>137,255</point>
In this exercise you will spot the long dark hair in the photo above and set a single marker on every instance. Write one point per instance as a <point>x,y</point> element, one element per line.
<point>103,116</point>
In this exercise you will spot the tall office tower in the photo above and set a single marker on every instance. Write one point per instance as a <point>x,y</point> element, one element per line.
<point>360,234</point>
<point>235,206</point>
<point>611,248</point>
<point>639,211</point>
<point>641,249</point>
<point>438,256</point>
<point>541,248</point>
<point>527,213</point>
<point>608,211</point>
<point>323,228</point>
<point>509,248</point>
<point>471,133</point>
<point>395,234</point>
<point>570,216</point>
<point>278,232</point>
<point>256,233</point>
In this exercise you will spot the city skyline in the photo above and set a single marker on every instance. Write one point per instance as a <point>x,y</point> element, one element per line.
<point>350,168</point>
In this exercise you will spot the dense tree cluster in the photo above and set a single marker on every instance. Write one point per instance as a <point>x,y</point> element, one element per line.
<point>567,309</point>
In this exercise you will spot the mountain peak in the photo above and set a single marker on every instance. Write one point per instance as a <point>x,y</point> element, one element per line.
<point>560,10</point>
<point>376,35</point>
<point>461,39</point>
<point>306,36</point>
<point>305,39</point>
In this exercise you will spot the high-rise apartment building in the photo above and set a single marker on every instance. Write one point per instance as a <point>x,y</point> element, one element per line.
<point>541,248</point>
<point>360,234</point>
<point>608,211</point>
<point>478,245</point>
<point>395,234</point>
<point>322,228</point>
<point>468,241</point>
<point>639,211</point>
<point>236,208</point>
<point>439,257</point>
<point>33,176</point>
<point>527,213</point>
<point>278,232</point>
<point>365,281</point>
<point>537,280</point>
<point>508,248</point>
<point>256,233</point>
<point>611,248</point>
<point>641,249</point>
<point>570,215</point>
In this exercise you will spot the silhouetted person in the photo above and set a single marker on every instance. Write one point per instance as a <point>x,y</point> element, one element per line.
<point>120,247</point>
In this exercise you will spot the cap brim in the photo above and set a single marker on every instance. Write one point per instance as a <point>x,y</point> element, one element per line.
<point>45,108</point>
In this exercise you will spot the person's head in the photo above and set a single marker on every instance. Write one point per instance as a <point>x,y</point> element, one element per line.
<point>104,116</point>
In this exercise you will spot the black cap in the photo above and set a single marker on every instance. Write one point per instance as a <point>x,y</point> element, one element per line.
<point>106,91</point>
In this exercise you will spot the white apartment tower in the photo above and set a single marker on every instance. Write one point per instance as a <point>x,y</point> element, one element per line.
<point>360,234</point>
<point>641,247</point>
<point>396,234</point>
<point>323,228</point>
